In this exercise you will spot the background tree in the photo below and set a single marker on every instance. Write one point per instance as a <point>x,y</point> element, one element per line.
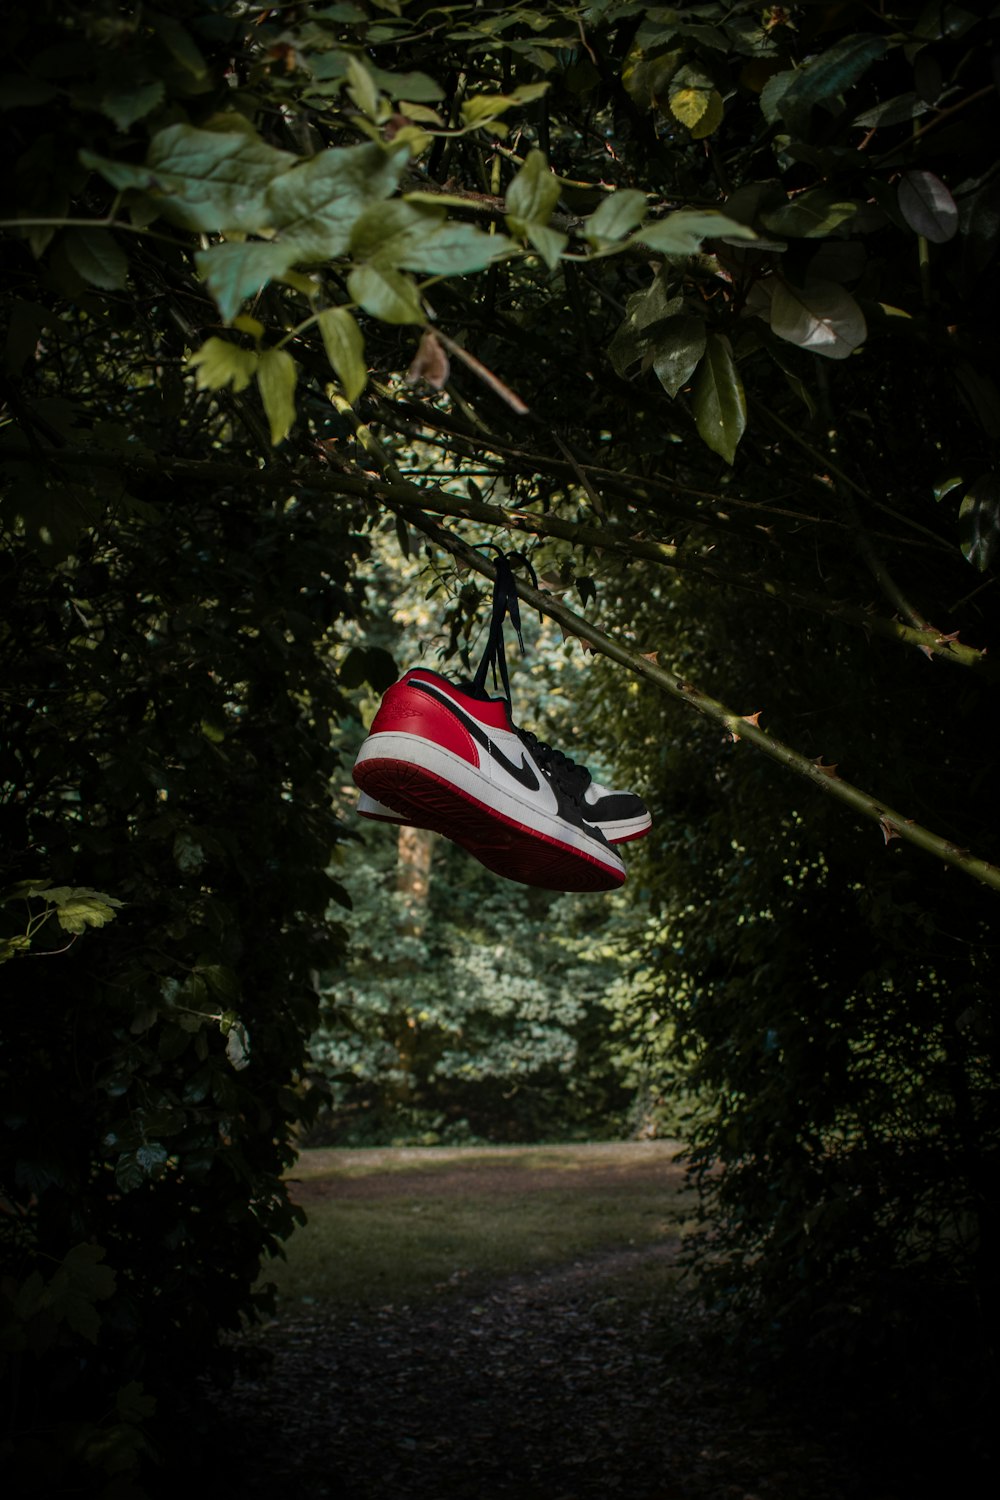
<point>699,297</point>
<point>464,1008</point>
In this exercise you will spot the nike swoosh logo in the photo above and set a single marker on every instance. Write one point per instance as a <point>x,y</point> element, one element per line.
<point>522,773</point>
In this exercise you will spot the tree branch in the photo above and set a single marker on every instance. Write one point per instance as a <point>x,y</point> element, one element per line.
<point>395,492</point>
<point>892,823</point>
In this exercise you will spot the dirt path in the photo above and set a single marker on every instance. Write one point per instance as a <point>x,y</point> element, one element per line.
<point>544,1389</point>
<point>551,1385</point>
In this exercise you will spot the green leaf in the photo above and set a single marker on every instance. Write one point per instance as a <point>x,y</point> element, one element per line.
<point>456,249</point>
<point>679,347</point>
<point>822,81</point>
<point>615,216</point>
<point>529,93</point>
<point>406,86</point>
<point>246,324</point>
<point>207,180</point>
<point>132,1404</point>
<point>682,232</point>
<point>820,316</point>
<point>128,1173</point>
<point>362,88</point>
<point>928,207</point>
<point>238,1045</point>
<point>719,403</point>
<point>945,486</point>
<point>151,1156</point>
<point>895,111</point>
<point>653,305</point>
<point>316,205</point>
<point>220,362</point>
<point>637,336</point>
<point>773,93</point>
<point>179,43</point>
<point>214,180</point>
<point>385,233</point>
<point>85,908</point>
<point>96,256</point>
<point>480,109</point>
<point>700,110</point>
<point>391,296</point>
<point>550,243</point>
<point>80,1282</point>
<point>223,982</point>
<point>979,522</point>
<point>276,376</point>
<point>236,271</point>
<point>345,348</point>
<point>532,195</point>
<point>647,80</point>
<point>125,106</point>
<point>812,214</point>
<point>401,234</point>
<point>83,1265</point>
<point>188,851</point>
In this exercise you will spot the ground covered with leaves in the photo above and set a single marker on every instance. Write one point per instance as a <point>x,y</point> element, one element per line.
<point>551,1387</point>
<point>598,1377</point>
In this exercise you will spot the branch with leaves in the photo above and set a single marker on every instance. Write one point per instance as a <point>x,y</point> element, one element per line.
<point>603,537</point>
<point>893,824</point>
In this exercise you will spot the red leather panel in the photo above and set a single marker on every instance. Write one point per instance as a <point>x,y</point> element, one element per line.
<point>408,711</point>
<point>490,711</point>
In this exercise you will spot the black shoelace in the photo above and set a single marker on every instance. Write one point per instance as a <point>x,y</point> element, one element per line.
<point>572,779</point>
<point>504,603</point>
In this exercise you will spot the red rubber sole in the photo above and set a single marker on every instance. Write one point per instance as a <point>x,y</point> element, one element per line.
<point>510,849</point>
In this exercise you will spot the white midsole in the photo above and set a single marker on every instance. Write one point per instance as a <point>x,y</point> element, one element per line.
<point>412,749</point>
<point>616,831</point>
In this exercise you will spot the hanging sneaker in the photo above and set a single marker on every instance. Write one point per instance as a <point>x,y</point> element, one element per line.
<point>620,816</point>
<point>452,760</point>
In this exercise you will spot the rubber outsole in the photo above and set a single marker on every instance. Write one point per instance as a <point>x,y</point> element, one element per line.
<point>622,832</point>
<point>509,848</point>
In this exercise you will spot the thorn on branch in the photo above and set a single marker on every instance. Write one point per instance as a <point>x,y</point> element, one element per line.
<point>753,719</point>
<point>830,771</point>
<point>888,832</point>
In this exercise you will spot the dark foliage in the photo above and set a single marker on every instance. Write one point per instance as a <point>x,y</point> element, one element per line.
<point>167,741</point>
<point>807,421</point>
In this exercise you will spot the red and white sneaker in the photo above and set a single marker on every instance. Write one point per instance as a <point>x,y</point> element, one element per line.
<point>450,760</point>
<point>620,816</point>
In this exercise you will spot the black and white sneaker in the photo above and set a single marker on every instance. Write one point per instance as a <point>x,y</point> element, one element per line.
<point>620,816</point>
<point>453,761</point>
